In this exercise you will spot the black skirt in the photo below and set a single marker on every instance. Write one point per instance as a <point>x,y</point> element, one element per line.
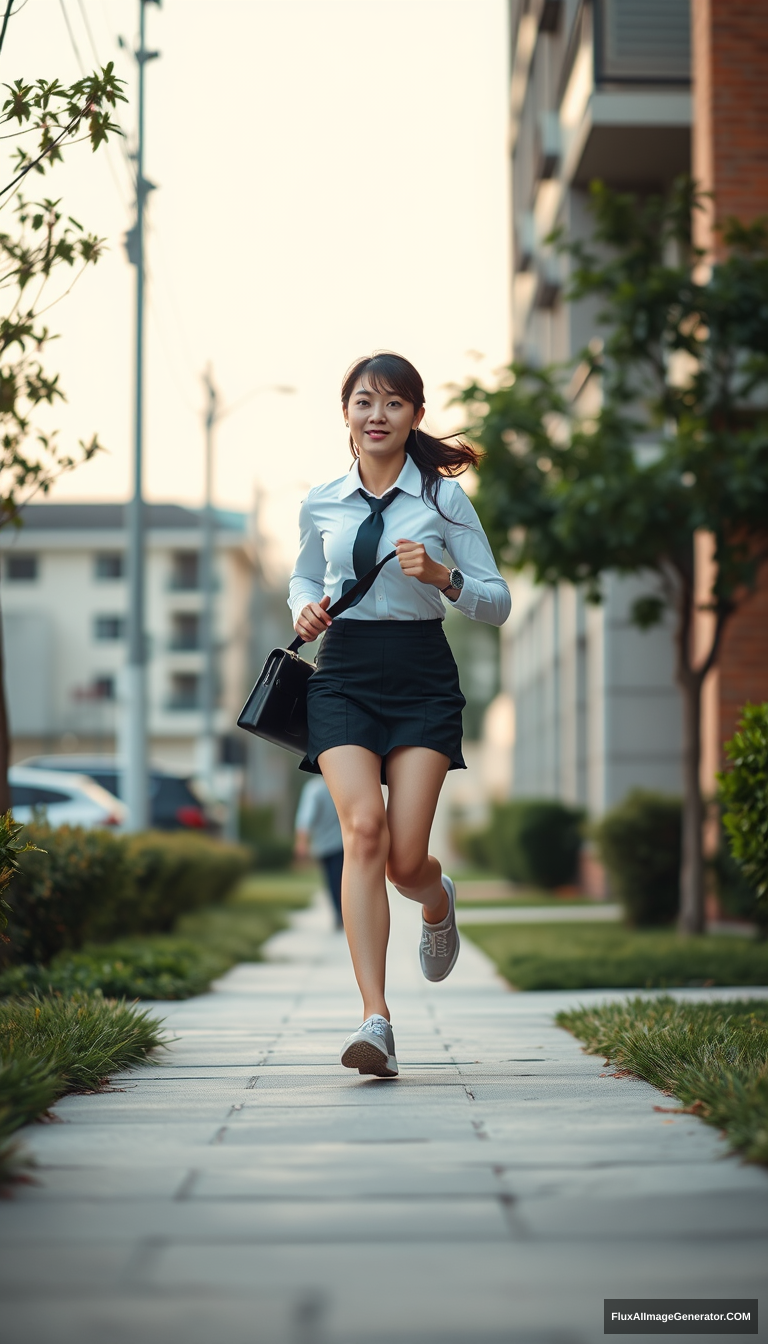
<point>385,684</point>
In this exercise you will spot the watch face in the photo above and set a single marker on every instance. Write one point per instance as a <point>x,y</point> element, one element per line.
<point>457,579</point>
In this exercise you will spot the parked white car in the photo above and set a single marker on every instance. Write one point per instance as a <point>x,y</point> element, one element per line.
<point>65,799</point>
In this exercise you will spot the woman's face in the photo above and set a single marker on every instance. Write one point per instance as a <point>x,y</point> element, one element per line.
<point>380,421</point>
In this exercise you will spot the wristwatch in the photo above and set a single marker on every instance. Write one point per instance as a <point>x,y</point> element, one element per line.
<point>455,580</point>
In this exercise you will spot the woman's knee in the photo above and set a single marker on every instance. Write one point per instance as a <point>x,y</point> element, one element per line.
<point>404,869</point>
<point>366,835</point>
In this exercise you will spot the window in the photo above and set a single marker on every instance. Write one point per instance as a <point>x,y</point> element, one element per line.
<point>185,575</point>
<point>186,630</point>
<point>185,691</point>
<point>21,568</point>
<point>103,688</point>
<point>109,627</point>
<point>109,565</point>
<point>31,795</point>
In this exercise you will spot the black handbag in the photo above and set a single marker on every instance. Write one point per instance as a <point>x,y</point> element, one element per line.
<point>276,709</point>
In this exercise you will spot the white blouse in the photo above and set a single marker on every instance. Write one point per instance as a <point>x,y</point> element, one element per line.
<point>328,522</point>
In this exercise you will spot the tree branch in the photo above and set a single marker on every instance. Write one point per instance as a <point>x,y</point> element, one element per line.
<point>48,150</point>
<point>6,17</point>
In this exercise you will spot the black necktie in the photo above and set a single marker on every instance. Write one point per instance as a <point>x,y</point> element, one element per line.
<point>368,537</point>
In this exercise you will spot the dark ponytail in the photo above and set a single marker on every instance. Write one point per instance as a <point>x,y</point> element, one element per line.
<point>434,457</point>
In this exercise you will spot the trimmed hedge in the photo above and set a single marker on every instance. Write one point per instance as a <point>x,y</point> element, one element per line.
<point>744,796</point>
<point>640,844</point>
<point>81,886</point>
<point>529,840</point>
<point>271,852</point>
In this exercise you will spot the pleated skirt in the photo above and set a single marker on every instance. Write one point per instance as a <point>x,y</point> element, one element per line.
<point>385,684</point>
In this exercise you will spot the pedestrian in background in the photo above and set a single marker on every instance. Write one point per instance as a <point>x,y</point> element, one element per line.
<point>318,833</point>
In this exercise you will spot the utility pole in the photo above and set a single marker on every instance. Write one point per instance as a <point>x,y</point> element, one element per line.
<point>208,582</point>
<point>136,791</point>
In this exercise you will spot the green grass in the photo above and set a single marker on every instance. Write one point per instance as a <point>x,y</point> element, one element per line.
<point>611,956</point>
<point>177,965</point>
<point>712,1056</point>
<point>51,1046</point>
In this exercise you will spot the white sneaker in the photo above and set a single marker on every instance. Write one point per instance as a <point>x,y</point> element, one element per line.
<point>439,945</point>
<point>371,1049</point>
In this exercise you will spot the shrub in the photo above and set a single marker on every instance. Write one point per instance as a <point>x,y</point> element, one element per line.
<point>534,841</point>
<point>736,896</point>
<point>175,873</point>
<point>639,843</point>
<point>744,796</point>
<point>71,880</point>
<point>11,846</point>
<point>270,851</point>
<point>168,968</point>
<point>80,885</point>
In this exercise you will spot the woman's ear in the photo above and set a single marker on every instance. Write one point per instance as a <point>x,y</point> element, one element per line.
<point>419,416</point>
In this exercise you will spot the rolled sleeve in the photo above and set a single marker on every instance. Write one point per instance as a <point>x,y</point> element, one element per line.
<point>307,580</point>
<point>485,595</point>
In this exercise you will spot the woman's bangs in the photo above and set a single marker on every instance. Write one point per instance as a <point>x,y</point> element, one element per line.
<point>385,373</point>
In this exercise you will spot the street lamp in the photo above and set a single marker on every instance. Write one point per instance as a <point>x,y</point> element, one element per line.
<point>134,693</point>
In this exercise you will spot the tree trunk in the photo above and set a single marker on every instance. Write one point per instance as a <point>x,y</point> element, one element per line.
<point>691,918</point>
<point>5,744</point>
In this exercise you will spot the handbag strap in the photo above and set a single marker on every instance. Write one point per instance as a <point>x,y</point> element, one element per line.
<point>358,590</point>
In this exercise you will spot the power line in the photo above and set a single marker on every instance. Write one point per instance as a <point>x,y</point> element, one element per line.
<point>75,47</point>
<point>112,172</point>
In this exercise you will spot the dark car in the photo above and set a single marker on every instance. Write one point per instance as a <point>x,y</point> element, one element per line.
<point>174,805</point>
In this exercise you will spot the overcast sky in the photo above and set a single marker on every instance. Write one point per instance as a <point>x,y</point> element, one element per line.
<point>331,180</point>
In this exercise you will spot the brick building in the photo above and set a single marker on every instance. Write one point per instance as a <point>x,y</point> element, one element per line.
<point>730,160</point>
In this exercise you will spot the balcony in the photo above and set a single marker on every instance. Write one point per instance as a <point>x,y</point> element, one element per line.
<point>624,99</point>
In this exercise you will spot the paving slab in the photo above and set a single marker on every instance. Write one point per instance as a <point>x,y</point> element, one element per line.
<point>244,1187</point>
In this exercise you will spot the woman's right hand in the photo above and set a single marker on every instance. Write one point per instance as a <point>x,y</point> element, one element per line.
<point>313,620</point>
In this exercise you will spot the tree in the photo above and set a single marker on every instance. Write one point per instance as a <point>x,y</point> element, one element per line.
<point>39,244</point>
<point>678,447</point>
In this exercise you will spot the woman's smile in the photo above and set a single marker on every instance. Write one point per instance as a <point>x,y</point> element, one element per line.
<point>378,417</point>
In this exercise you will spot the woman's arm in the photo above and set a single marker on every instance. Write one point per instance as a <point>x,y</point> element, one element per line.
<point>305,590</point>
<point>485,595</point>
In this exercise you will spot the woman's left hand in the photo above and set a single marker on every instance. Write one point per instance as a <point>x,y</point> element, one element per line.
<point>418,564</point>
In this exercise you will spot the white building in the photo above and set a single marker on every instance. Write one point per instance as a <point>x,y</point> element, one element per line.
<point>64,604</point>
<point>599,89</point>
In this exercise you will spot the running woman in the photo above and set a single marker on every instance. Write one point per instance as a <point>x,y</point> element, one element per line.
<point>385,703</point>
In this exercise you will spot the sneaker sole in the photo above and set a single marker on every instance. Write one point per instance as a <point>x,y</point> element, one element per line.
<point>364,1057</point>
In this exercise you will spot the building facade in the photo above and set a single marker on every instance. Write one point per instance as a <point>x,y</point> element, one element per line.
<point>730,161</point>
<point>600,89</point>
<point>64,599</point>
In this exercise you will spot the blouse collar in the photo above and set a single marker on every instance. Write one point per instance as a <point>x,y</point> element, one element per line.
<point>409,480</point>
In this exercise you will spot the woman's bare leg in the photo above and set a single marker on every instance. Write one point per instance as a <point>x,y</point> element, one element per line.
<point>353,776</point>
<point>415,776</point>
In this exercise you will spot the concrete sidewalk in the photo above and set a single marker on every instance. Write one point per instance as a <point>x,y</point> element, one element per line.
<point>247,1188</point>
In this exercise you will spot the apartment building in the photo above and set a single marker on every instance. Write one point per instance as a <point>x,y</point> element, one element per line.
<point>64,605</point>
<point>599,89</point>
